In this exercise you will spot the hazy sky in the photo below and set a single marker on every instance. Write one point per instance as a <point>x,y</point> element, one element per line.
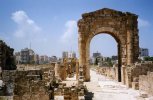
<point>51,25</point>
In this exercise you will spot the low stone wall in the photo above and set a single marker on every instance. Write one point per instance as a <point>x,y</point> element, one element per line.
<point>60,71</point>
<point>129,74</point>
<point>138,76</point>
<point>69,93</point>
<point>132,72</point>
<point>34,84</point>
<point>146,83</point>
<point>6,97</point>
<point>141,69</point>
<point>8,77</point>
<point>108,71</point>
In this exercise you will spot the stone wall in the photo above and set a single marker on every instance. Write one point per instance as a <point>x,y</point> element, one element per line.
<point>66,68</point>
<point>146,83</point>
<point>60,71</point>
<point>6,97</point>
<point>69,92</point>
<point>132,72</point>
<point>136,76</point>
<point>108,71</point>
<point>8,77</point>
<point>34,84</point>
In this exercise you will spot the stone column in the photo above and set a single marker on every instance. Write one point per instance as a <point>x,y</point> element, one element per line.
<point>136,45</point>
<point>82,57</point>
<point>82,51</point>
<point>87,76</point>
<point>119,62</point>
<point>123,68</point>
<point>62,72</point>
<point>123,62</point>
<point>77,70</point>
<point>57,69</point>
<point>129,47</point>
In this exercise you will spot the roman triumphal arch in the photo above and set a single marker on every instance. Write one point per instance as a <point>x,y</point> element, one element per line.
<point>120,25</point>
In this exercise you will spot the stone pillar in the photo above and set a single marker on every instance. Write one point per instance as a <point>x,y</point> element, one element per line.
<point>136,45</point>
<point>82,51</point>
<point>87,69</point>
<point>129,47</point>
<point>123,62</point>
<point>128,77</point>
<point>83,57</point>
<point>57,72</point>
<point>116,71</point>
<point>87,73</point>
<point>62,72</point>
<point>119,62</point>
<point>123,74</point>
<point>77,70</point>
<point>81,76</point>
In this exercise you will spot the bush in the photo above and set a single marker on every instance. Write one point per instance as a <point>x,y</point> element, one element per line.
<point>148,58</point>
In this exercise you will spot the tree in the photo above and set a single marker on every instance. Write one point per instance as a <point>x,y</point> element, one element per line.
<point>96,61</point>
<point>148,58</point>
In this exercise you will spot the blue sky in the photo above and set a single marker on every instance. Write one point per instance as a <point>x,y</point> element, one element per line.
<point>51,25</point>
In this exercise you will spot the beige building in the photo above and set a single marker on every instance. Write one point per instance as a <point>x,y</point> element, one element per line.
<point>43,59</point>
<point>65,54</point>
<point>72,54</point>
<point>36,59</point>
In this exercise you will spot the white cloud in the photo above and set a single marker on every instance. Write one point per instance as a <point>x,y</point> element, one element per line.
<point>143,23</point>
<point>28,32</point>
<point>70,34</point>
<point>26,26</point>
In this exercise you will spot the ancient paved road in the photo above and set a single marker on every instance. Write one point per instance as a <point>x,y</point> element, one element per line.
<point>107,89</point>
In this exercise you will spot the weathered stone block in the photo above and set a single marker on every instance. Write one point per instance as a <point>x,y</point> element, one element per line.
<point>135,85</point>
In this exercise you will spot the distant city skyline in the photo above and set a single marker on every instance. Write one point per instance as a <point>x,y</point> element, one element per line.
<point>50,26</point>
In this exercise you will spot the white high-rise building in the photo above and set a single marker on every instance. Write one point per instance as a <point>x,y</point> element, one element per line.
<point>97,54</point>
<point>72,55</point>
<point>65,54</point>
<point>143,52</point>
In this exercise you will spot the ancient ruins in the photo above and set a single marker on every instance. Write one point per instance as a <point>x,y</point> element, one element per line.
<point>67,68</point>
<point>121,26</point>
<point>45,82</point>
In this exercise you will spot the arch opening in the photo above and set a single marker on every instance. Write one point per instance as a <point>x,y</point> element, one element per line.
<point>104,51</point>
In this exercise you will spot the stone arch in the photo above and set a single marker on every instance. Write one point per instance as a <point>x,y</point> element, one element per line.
<point>121,26</point>
<point>119,40</point>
